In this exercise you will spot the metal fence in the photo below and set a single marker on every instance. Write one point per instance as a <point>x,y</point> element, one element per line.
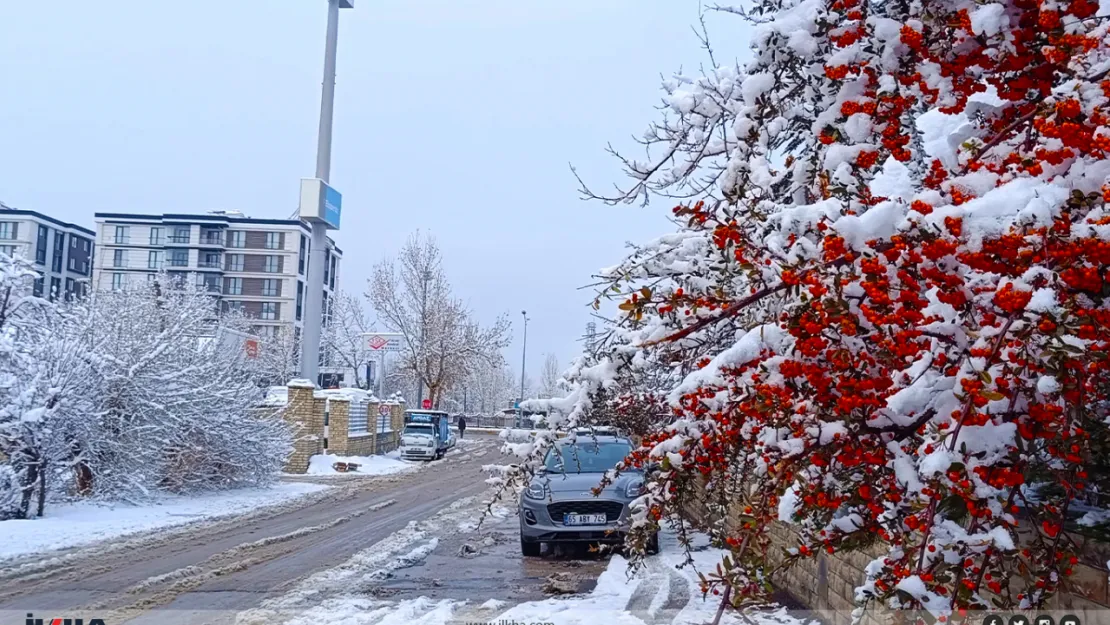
<point>358,422</point>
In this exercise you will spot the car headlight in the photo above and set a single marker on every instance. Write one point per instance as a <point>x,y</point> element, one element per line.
<point>635,488</point>
<point>429,444</point>
<point>535,490</point>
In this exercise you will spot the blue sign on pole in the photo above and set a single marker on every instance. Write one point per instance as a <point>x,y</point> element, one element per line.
<point>333,206</point>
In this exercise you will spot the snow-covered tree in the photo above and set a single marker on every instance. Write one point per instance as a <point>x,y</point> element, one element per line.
<point>279,356</point>
<point>344,338</point>
<point>175,407</point>
<point>550,376</point>
<point>443,344</point>
<point>884,304</point>
<point>491,388</point>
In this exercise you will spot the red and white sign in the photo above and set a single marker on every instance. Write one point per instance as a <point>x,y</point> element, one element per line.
<point>250,347</point>
<point>383,341</point>
<point>427,404</point>
<point>383,410</point>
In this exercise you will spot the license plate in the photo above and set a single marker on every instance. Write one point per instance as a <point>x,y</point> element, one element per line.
<point>583,519</point>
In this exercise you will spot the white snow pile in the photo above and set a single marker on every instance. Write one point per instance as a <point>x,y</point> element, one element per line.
<point>389,464</point>
<point>74,524</point>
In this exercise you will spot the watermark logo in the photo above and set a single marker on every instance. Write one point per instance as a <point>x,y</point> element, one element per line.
<point>31,620</point>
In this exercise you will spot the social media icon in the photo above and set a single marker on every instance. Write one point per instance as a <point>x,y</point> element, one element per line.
<point>994,619</point>
<point>1069,619</point>
<point>1019,619</point>
<point>1044,619</point>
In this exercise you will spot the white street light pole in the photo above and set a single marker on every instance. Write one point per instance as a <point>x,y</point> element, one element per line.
<point>523,358</point>
<point>314,291</point>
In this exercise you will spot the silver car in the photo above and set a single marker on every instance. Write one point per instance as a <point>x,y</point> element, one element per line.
<point>559,506</point>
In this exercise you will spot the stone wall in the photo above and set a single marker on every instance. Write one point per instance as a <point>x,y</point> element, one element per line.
<point>826,583</point>
<point>305,413</point>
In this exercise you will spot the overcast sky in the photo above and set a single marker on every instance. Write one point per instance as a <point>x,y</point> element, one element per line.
<point>454,117</point>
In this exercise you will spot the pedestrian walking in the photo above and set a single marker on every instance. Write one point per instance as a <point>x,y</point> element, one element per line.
<point>462,426</point>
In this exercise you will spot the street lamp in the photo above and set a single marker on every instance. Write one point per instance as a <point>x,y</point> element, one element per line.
<point>314,291</point>
<point>523,356</point>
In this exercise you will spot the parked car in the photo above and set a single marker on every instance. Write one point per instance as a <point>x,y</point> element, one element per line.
<point>558,506</point>
<point>427,435</point>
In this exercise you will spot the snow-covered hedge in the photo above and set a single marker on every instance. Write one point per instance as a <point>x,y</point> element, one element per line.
<point>120,396</point>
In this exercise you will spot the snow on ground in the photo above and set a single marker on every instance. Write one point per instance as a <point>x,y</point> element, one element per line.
<point>340,595</point>
<point>615,599</point>
<point>73,524</point>
<point>321,464</point>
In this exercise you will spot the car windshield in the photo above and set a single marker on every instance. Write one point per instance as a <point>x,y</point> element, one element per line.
<point>418,429</point>
<point>588,457</point>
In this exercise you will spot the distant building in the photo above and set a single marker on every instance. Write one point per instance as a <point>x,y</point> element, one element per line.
<point>257,266</point>
<point>61,251</point>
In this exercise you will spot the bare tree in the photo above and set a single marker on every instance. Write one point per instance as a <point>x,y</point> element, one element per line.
<point>443,344</point>
<point>279,356</point>
<point>549,377</point>
<point>344,338</point>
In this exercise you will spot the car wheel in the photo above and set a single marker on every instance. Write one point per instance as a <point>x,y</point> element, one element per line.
<point>530,550</point>
<point>652,546</point>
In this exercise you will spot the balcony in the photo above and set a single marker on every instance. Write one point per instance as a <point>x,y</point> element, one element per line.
<point>179,238</point>
<point>212,237</point>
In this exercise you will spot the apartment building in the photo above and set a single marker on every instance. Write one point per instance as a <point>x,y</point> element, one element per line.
<point>258,266</point>
<point>62,252</point>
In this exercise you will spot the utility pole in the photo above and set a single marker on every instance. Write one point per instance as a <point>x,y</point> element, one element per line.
<point>314,291</point>
<point>523,357</point>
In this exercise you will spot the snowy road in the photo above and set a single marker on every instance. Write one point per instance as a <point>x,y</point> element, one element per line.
<point>236,564</point>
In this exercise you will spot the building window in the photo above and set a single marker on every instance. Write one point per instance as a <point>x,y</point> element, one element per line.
<point>122,236</point>
<point>156,235</point>
<point>300,299</point>
<point>236,238</point>
<point>273,264</point>
<point>234,286</point>
<point>36,287</point>
<point>117,281</point>
<point>73,242</point>
<point>210,260</point>
<point>233,307</point>
<point>211,236</point>
<point>273,240</point>
<point>55,287</point>
<point>208,282</point>
<point>303,255</point>
<point>334,260</point>
<point>119,258</point>
<point>269,311</point>
<point>179,258</point>
<point>327,266</point>
<point>180,234</point>
<point>85,243</point>
<point>59,252</point>
<point>8,250</point>
<point>8,230</point>
<point>72,266</point>
<point>234,262</point>
<point>69,288</point>
<point>155,259</point>
<point>271,288</point>
<point>40,250</point>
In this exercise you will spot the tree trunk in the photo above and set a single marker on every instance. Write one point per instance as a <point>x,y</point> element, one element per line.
<point>42,488</point>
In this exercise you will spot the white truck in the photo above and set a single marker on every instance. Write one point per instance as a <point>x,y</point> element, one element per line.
<point>427,435</point>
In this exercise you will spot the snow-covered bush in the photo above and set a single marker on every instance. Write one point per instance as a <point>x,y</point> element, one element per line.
<point>124,395</point>
<point>174,412</point>
<point>885,304</point>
